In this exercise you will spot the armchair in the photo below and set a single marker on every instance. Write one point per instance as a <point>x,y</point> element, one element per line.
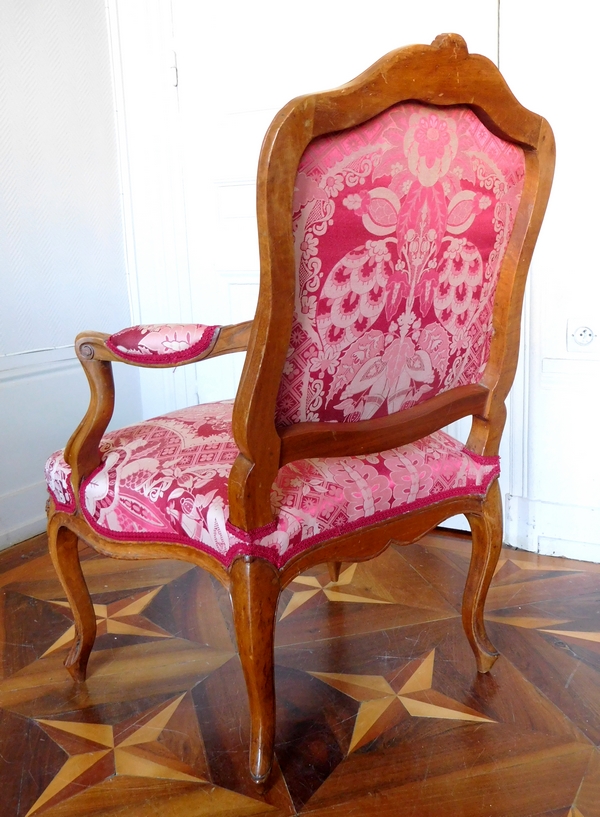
<point>397,216</point>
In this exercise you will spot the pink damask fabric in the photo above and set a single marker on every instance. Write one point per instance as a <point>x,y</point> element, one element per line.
<point>58,480</point>
<point>166,480</point>
<point>400,228</point>
<point>162,343</point>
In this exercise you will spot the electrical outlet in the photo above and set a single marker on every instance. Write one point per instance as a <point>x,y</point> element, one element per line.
<point>581,336</point>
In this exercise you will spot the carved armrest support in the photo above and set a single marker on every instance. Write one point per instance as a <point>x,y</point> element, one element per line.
<point>82,452</point>
<point>95,355</point>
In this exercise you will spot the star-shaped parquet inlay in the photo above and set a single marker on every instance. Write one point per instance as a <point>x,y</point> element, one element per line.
<point>122,617</point>
<point>387,700</point>
<point>333,591</point>
<point>99,751</point>
<point>545,567</point>
<point>578,634</point>
<point>545,625</point>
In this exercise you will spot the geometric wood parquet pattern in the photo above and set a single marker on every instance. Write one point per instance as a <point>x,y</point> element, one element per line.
<point>380,708</point>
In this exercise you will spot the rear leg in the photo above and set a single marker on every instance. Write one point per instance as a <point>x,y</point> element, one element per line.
<point>334,570</point>
<point>486,531</point>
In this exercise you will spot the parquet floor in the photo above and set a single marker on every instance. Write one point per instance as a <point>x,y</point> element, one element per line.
<point>380,709</point>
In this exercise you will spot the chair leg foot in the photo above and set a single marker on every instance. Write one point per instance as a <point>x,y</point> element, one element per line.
<point>334,570</point>
<point>255,589</point>
<point>62,544</point>
<point>486,530</point>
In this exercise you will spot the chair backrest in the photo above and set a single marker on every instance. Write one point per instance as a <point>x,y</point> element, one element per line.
<point>400,226</point>
<point>397,217</point>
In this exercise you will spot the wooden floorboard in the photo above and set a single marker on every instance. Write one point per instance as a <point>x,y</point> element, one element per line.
<point>380,709</point>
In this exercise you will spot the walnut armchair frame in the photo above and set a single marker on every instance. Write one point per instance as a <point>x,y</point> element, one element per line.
<point>443,74</point>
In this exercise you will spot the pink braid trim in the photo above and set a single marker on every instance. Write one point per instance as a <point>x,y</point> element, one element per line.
<point>166,357</point>
<point>480,458</point>
<point>250,536</point>
<point>70,507</point>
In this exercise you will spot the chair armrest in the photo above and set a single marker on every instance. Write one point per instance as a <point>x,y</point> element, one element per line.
<point>96,356</point>
<point>163,346</point>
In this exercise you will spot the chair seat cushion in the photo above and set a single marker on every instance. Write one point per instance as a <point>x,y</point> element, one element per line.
<point>165,480</point>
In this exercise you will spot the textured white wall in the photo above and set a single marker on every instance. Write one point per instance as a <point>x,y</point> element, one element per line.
<point>62,266</point>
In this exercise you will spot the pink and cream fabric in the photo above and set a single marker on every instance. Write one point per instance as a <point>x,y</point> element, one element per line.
<point>400,228</point>
<point>162,344</point>
<point>166,480</point>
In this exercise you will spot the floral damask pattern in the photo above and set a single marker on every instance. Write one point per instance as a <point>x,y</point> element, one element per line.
<point>166,480</point>
<point>400,228</point>
<point>164,344</point>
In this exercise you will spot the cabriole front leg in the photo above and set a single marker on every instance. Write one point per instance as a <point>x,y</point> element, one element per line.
<point>255,589</point>
<point>62,544</point>
<point>486,530</point>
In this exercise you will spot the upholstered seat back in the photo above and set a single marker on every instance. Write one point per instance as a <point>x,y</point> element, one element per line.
<point>400,227</point>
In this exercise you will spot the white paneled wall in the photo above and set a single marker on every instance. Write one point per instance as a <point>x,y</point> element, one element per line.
<point>550,61</point>
<point>62,266</point>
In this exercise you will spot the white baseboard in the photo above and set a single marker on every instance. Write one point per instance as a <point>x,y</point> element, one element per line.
<point>22,514</point>
<point>456,523</point>
<point>553,529</point>
<point>25,531</point>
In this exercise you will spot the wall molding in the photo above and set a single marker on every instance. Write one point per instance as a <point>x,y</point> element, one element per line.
<point>36,361</point>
